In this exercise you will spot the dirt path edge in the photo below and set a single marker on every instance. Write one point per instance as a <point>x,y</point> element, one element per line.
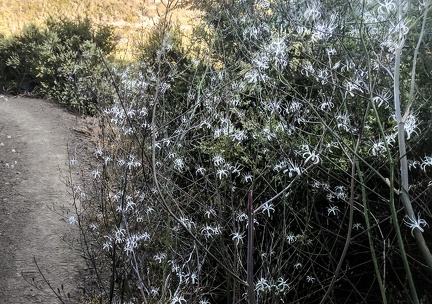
<point>35,203</point>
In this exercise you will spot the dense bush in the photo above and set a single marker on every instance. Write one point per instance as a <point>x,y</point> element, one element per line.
<point>290,109</point>
<point>62,61</point>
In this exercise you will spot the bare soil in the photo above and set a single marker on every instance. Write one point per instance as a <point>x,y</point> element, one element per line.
<point>38,246</point>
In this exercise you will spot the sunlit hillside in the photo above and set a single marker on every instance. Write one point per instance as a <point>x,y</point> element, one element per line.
<point>129,17</point>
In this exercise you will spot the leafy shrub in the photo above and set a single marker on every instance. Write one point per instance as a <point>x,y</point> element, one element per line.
<point>63,62</point>
<point>19,57</point>
<point>284,105</point>
<point>82,30</point>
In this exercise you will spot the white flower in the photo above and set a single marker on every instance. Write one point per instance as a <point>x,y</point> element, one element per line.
<point>282,285</point>
<point>292,168</point>
<point>235,170</point>
<point>263,3</point>
<point>267,208</point>
<point>218,160</point>
<point>273,106</point>
<point>277,49</point>
<point>159,257</point>
<point>222,173</point>
<point>261,62</point>
<point>241,217</point>
<point>386,7</point>
<point>239,136</point>
<point>130,204</point>
<point>378,148</point>
<point>79,192</point>
<point>72,220</point>
<point>340,192</point>
<point>382,98</point>
<point>237,237</point>
<point>323,30</point>
<point>108,244</point>
<point>96,174</point>
<point>427,161</point>
<point>331,51</point>
<point>358,226</point>
<point>107,160</point>
<point>217,132</point>
<point>343,121</point>
<point>251,32</point>
<point>209,231</point>
<point>312,11</point>
<point>411,125</point>
<point>143,112</point>
<point>128,131</point>
<point>311,156</point>
<point>254,76</point>
<point>262,285</point>
<point>119,235</point>
<point>130,113</point>
<point>210,212</point>
<point>298,265</point>
<point>333,209</point>
<point>414,223</point>
<point>391,138</point>
<point>164,87</point>
<point>268,133</point>
<point>291,238</point>
<point>248,178</point>
<point>200,170</point>
<point>130,245</point>
<point>310,279</point>
<point>322,76</point>
<point>178,300</point>
<point>187,222</point>
<point>326,104</point>
<point>132,162</point>
<point>193,278</point>
<point>179,164</point>
<point>73,161</point>
<point>307,68</point>
<point>98,152</point>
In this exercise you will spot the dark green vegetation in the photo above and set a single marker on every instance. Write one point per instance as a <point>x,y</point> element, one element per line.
<point>60,61</point>
<point>321,110</point>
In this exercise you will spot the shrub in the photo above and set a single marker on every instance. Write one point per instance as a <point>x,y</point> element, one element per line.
<point>63,61</point>
<point>285,114</point>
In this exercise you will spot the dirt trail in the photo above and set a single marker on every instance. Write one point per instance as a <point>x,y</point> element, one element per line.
<point>33,150</point>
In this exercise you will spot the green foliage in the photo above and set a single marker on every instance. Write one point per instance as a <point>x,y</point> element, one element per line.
<point>62,61</point>
<point>80,30</point>
<point>18,59</point>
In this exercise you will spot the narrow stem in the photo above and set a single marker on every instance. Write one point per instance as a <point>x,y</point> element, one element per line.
<point>350,224</point>
<point>369,234</point>
<point>251,293</point>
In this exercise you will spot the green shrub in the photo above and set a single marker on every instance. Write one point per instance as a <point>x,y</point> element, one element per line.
<point>19,55</point>
<point>62,61</point>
